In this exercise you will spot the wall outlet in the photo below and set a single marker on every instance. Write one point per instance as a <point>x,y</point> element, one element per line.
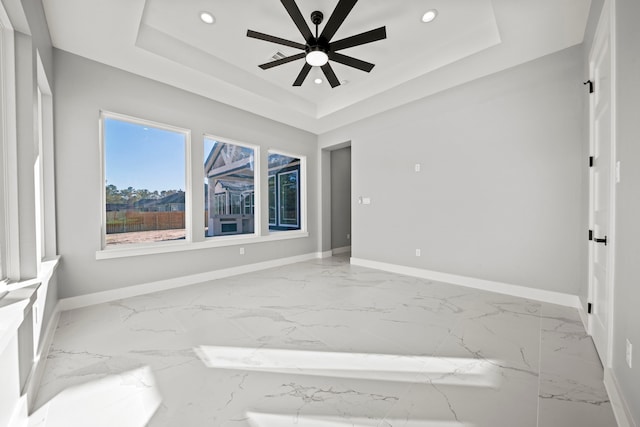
<point>629,353</point>
<point>241,251</point>
<point>348,236</point>
<point>418,252</point>
<point>417,167</point>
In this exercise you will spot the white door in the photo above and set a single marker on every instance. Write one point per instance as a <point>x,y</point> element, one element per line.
<point>601,252</point>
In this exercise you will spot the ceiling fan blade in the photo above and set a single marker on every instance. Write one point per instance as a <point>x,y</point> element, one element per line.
<point>360,39</point>
<point>284,60</point>
<point>273,39</point>
<point>330,75</point>
<point>298,19</point>
<point>351,62</point>
<point>303,74</point>
<point>337,18</point>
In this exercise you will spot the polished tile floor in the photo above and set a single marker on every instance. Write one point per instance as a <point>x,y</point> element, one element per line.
<point>322,344</point>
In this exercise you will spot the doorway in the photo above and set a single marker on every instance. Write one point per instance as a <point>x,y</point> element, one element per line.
<point>341,200</point>
<point>602,181</point>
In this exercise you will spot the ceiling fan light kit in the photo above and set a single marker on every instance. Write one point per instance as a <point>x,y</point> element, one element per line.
<point>317,57</point>
<point>319,49</point>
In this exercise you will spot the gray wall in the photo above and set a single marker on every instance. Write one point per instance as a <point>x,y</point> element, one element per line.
<point>83,88</point>
<point>340,198</point>
<point>39,28</point>
<point>499,196</point>
<point>627,272</point>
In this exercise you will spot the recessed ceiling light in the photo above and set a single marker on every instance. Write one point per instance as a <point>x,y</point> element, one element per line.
<point>429,16</point>
<point>207,18</point>
<point>318,81</point>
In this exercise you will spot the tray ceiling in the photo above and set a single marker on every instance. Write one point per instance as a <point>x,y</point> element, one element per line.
<point>166,41</point>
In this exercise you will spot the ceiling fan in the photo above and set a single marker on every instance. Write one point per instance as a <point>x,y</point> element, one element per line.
<point>319,49</point>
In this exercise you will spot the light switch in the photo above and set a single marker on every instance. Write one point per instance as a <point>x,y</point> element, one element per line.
<point>366,200</point>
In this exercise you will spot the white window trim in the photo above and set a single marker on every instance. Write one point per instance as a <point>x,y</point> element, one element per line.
<point>188,180</point>
<point>9,217</point>
<point>257,174</point>
<point>218,242</point>
<point>197,242</point>
<point>47,223</point>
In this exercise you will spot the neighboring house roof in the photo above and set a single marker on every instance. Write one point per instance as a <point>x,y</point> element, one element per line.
<point>175,198</point>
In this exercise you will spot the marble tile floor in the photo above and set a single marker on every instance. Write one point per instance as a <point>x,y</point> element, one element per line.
<point>322,344</point>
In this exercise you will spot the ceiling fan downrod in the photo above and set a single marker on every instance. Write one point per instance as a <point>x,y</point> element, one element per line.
<point>316,19</point>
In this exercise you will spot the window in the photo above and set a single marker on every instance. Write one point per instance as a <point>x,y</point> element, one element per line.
<point>145,178</point>
<point>9,267</point>
<point>149,188</point>
<point>272,200</point>
<point>284,192</point>
<point>249,203</point>
<point>229,184</point>
<point>3,167</point>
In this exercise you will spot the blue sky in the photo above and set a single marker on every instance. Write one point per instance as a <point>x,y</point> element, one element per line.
<point>143,157</point>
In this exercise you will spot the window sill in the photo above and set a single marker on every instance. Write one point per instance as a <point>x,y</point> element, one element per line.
<point>19,299</point>
<point>213,242</point>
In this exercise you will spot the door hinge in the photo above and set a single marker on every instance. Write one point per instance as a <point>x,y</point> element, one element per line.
<point>589,308</point>
<point>590,83</point>
<point>591,161</point>
<point>590,235</point>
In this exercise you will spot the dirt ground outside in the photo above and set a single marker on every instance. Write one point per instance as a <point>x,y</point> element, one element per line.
<point>145,236</point>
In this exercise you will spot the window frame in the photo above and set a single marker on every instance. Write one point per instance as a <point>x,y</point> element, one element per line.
<point>103,167</point>
<point>282,205</point>
<point>275,199</point>
<point>302,194</point>
<point>45,184</point>
<point>250,196</point>
<point>194,182</point>
<point>9,213</point>
<point>257,227</point>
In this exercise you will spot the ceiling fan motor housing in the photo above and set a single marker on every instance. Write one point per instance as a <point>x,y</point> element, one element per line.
<point>316,17</point>
<point>320,45</point>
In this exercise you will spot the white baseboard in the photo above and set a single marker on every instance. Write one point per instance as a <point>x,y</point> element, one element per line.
<point>178,282</point>
<point>342,250</point>
<point>471,282</point>
<point>584,317</point>
<point>326,254</point>
<point>619,405</point>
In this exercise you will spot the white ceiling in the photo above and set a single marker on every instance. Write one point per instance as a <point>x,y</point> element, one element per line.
<point>166,41</point>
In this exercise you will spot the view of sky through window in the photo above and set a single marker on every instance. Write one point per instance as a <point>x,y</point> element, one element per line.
<point>143,157</point>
